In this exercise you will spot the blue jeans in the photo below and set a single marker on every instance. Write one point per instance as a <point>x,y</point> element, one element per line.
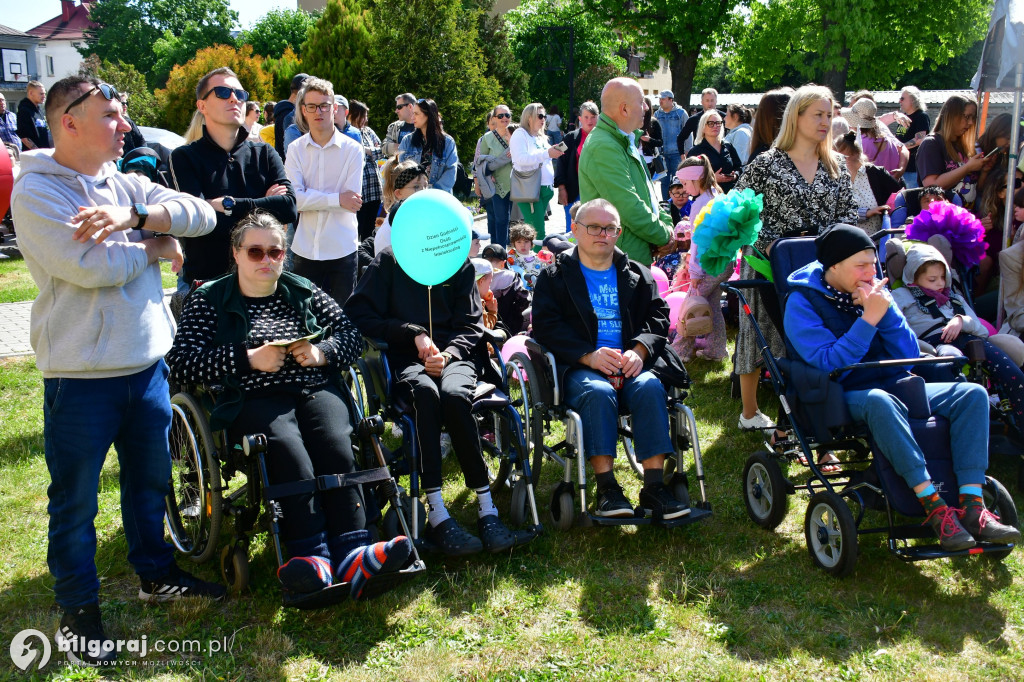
<point>592,397</point>
<point>499,208</point>
<point>965,405</point>
<point>910,179</point>
<point>554,137</point>
<point>671,164</point>
<point>568,219</point>
<point>82,418</point>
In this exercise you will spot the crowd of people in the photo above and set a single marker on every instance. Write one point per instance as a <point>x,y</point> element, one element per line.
<point>282,231</point>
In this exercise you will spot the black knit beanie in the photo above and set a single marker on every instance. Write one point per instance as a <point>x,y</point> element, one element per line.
<point>840,242</point>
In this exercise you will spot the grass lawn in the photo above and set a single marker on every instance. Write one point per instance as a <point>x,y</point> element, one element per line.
<point>720,600</point>
<point>17,285</point>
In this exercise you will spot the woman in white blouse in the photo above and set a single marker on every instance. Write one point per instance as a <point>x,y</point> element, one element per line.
<point>530,151</point>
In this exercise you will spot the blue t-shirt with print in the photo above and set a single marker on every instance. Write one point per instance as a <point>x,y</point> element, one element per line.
<point>604,297</point>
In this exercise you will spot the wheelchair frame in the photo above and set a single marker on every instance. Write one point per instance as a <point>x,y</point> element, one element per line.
<point>203,464</point>
<point>542,402</point>
<point>830,529</point>
<point>509,464</point>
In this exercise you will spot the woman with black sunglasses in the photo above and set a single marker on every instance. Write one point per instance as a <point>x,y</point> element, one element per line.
<point>430,146</point>
<point>276,342</point>
<point>532,151</point>
<point>494,152</point>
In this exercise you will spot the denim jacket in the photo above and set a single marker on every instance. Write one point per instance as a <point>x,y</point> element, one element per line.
<point>442,170</point>
<point>672,123</point>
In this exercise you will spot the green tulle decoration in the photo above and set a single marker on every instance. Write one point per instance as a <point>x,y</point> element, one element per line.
<point>732,222</point>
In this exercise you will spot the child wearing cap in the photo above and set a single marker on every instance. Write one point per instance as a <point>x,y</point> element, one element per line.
<point>507,287</point>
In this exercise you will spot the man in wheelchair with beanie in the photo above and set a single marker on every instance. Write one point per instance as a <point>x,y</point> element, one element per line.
<point>839,314</point>
<point>601,316</point>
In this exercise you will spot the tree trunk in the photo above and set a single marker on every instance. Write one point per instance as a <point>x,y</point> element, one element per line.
<point>835,79</point>
<point>683,65</point>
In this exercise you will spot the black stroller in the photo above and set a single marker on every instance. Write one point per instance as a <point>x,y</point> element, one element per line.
<point>815,418</point>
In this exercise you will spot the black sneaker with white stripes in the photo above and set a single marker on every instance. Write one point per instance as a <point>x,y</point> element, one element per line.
<point>177,584</point>
<point>82,638</point>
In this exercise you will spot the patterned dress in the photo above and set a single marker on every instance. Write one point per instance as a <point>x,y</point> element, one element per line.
<point>791,206</point>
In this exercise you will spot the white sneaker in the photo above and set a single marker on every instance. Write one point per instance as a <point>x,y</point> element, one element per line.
<point>756,423</point>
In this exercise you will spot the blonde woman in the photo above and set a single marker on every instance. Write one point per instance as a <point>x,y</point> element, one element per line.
<point>806,189</point>
<point>531,150</point>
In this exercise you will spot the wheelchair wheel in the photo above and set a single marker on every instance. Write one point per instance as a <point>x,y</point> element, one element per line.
<point>563,509</point>
<point>998,501</point>
<point>194,506</point>
<point>764,491</point>
<point>524,393</point>
<point>831,534</point>
<point>234,567</point>
<point>520,503</point>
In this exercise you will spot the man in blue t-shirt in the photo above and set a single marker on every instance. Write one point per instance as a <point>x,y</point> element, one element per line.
<point>602,317</point>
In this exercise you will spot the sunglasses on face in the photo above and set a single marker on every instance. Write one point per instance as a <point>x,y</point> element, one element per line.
<point>542,115</point>
<point>399,107</point>
<point>608,230</point>
<point>714,124</point>
<point>503,115</point>
<point>107,91</point>
<point>224,92</point>
<point>256,254</point>
<point>312,108</point>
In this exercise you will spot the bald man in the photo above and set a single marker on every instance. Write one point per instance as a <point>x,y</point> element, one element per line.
<point>612,168</point>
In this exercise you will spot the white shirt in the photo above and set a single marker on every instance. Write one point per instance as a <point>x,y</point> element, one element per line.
<point>326,231</point>
<point>529,152</point>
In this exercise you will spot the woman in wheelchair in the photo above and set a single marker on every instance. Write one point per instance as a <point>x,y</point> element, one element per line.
<point>436,377</point>
<point>837,315</point>
<point>275,342</point>
<point>601,316</point>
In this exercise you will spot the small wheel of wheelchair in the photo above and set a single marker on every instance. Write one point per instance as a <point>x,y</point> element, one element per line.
<point>998,501</point>
<point>524,392</point>
<point>679,485</point>
<point>764,491</point>
<point>390,526</point>
<point>831,534</point>
<point>563,509</point>
<point>234,567</point>
<point>520,503</point>
<point>194,508</point>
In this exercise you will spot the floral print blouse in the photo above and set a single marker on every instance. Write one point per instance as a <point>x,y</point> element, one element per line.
<point>790,204</point>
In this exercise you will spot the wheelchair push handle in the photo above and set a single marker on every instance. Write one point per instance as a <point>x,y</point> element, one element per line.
<point>908,362</point>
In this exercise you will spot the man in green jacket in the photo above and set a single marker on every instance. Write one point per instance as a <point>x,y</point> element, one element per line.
<point>611,168</point>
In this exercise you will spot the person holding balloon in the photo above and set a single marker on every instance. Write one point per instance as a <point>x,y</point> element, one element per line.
<point>419,296</point>
<point>698,178</point>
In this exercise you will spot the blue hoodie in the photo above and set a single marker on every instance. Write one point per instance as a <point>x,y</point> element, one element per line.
<point>816,345</point>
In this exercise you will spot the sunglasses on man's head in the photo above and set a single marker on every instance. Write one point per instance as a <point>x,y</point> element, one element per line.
<point>108,91</point>
<point>224,92</point>
<point>256,254</point>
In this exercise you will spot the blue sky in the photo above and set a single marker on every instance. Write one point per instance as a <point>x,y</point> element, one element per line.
<point>25,15</point>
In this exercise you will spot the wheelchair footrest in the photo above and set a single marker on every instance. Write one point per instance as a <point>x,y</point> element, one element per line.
<point>697,513</point>
<point>928,552</point>
<point>335,594</point>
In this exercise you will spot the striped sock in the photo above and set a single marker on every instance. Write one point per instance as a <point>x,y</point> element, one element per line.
<point>971,496</point>
<point>930,499</point>
<point>365,562</point>
<point>437,513</point>
<point>304,574</point>
<point>483,498</point>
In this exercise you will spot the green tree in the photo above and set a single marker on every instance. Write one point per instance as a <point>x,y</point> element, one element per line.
<point>178,100</point>
<point>282,71</point>
<point>338,47</point>
<point>149,33</point>
<point>502,64</point>
<point>541,50</point>
<point>431,48</point>
<point>142,104</point>
<point>852,44</point>
<point>956,74</point>
<point>679,30</point>
<point>278,30</point>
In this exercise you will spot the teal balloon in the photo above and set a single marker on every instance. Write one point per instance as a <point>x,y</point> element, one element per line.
<point>431,236</point>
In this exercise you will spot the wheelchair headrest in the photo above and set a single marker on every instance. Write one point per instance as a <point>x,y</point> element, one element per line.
<point>787,256</point>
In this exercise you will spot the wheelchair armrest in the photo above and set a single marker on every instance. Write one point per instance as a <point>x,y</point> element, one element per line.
<point>926,348</point>
<point>911,361</point>
<point>376,344</point>
<point>495,337</point>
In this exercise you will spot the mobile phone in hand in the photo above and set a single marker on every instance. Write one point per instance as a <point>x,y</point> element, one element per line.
<point>562,146</point>
<point>995,150</point>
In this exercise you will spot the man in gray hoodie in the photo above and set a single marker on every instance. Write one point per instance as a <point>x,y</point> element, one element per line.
<point>100,330</point>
